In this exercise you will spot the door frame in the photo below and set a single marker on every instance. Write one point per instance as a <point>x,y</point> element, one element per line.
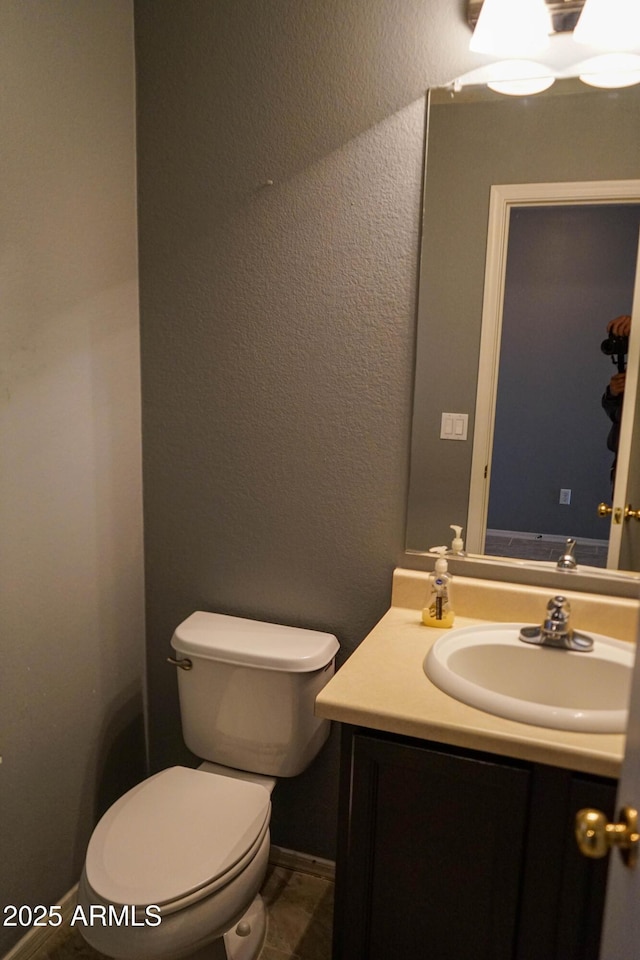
<point>503,197</point>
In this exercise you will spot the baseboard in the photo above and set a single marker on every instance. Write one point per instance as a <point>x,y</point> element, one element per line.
<point>544,537</point>
<point>39,939</point>
<point>302,862</point>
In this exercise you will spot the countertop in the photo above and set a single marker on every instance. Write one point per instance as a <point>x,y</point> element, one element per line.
<point>383,685</point>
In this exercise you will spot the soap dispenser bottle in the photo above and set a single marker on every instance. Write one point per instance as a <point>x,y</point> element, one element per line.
<point>457,544</point>
<point>438,611</point>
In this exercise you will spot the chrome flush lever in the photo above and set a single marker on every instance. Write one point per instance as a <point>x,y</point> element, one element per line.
<point>185,664</point>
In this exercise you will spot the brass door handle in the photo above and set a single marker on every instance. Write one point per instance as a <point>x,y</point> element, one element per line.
<point>595,835</point>
<point>604,510</point>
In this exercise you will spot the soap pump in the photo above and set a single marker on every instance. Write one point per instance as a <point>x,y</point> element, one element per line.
<point>438,611</point>
<point>457,544</point>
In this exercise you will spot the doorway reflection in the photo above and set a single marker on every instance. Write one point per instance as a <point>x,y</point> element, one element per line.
<point>570,270</point>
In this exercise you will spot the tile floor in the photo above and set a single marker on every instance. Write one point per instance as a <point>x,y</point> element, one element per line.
<point>589,555</point>
<point>299,910</point>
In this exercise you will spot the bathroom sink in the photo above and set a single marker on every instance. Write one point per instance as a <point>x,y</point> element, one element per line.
<point>488,667</point>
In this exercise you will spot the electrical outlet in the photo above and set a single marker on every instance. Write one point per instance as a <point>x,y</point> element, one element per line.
<point>565,496</point>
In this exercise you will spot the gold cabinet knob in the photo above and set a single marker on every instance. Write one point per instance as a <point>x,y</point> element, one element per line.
<point>630,514</point>
<point>595,835</point>
<point>604,510</point>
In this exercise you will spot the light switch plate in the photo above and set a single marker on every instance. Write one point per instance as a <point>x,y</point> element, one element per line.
<point>454,426</point>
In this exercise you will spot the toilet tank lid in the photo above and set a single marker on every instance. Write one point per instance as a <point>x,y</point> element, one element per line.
<point>267,646</point>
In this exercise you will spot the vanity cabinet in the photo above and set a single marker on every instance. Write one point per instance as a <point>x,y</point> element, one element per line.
<point>452,854</point>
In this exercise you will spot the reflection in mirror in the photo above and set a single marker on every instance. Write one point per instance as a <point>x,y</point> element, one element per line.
<point>570,271</point>
<point>555,266</point>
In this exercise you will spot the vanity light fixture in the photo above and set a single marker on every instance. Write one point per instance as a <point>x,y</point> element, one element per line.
<point>611,70</point>
<point>518,29</point>
<point>512,28</point>
<point>564,14</point>
<point>519,78</point>
<point>612,25</point>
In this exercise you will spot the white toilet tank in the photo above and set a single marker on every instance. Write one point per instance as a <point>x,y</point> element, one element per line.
<point>247,701</point>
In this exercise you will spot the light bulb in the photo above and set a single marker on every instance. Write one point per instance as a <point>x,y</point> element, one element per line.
<point>609,24</point>
<point>512,28</point>
<point>611,70</point>
<point>519,78</point>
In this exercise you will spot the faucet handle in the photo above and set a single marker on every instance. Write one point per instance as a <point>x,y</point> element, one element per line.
<point>558,615</point>
<point>567,561</point>
<point>556,630</point>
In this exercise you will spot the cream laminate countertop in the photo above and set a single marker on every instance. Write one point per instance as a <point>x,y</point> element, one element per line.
<point>383,685</point>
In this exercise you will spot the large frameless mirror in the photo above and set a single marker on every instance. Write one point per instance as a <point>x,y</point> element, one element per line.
<point>529,251</point>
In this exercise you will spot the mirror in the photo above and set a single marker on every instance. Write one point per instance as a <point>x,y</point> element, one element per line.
<point>478,140</point>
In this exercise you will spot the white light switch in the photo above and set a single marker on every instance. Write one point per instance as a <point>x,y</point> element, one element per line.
<point>454,426</point>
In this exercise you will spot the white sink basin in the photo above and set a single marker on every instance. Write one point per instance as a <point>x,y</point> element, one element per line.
<point>490,668</point>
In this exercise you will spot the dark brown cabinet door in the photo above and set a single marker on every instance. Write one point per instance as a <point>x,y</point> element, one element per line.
<point>450,854</point>
<point>435,852</point>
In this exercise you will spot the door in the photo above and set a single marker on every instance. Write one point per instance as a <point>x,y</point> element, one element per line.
<point>624,539</point>
<point>430,864</point>
<point>621,934</point>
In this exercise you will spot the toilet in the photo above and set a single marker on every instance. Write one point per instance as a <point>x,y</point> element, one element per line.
<point>174,867</point>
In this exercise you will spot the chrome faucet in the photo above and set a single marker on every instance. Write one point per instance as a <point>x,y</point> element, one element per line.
<point>567,561</point>
<point>556,630</point>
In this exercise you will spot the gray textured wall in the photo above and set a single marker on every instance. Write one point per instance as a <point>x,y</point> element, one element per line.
<point>278,322</point>
<point>590,135</point>
<point>71,610</point>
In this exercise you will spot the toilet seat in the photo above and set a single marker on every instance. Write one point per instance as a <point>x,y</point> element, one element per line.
<point>176,838</point>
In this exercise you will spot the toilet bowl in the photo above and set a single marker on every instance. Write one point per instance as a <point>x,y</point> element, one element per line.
<point>174,864</point>
<point>174,868</point>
